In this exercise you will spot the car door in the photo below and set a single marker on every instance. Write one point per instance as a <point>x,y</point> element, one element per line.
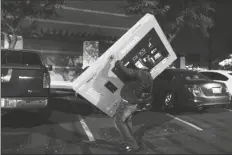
<point>162,84</point>
<point>23,75</point>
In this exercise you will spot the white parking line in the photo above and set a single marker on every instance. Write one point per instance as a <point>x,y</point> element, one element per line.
<point>185,122</point>
<point>86,128</point>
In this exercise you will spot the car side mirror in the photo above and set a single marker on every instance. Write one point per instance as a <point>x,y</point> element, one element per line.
<point>49,67</point>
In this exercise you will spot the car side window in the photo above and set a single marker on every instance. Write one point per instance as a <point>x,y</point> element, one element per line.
<point>13,57</point>
<point>165,76</point>
<point>31,59</point>
<point>207,74</point>
<point>215,76</point>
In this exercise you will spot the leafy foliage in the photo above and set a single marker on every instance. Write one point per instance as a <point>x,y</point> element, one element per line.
<point>174,14</point>
<point>14,13</point>
<point>227,63</point>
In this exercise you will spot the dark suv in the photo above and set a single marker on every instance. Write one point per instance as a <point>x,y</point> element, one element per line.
<point>25,82</point>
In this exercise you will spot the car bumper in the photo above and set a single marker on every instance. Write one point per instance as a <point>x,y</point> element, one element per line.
<point>61,85</point>
<point>23,103</point>
<point>62,92</point>
<point>205,102</point>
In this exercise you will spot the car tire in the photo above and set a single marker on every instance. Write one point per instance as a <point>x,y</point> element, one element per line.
<point>45,112</point>
<point>201,109</point>
<point>226,106</point>
<point>169,102</point>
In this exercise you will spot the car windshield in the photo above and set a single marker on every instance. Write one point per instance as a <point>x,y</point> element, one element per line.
<point>230,73</point>
<point>29,58</point>
<point>194,76</point>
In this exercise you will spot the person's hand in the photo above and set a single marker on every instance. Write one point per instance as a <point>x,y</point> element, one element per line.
<point>109,59</point>
<point>118,63</point>
<point>112,57</point>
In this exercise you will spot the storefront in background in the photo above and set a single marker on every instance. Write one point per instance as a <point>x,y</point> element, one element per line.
<point>66,66</point>
<point>90,52</point>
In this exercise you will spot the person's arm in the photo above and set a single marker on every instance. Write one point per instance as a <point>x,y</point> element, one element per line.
<point>128,71</point>
<point>108,61</point>
<point>146,77</point>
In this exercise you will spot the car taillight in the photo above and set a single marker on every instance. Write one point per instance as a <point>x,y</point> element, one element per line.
<point>9,103</point>
<point>196,90</point>
<point>46,80</point>
<point>227,90</point>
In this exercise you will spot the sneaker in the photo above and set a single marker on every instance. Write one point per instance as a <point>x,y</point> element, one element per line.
<point>132,150</point>
<point>128,149</point>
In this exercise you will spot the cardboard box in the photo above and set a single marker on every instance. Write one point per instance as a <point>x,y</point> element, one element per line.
<point>143,45</point>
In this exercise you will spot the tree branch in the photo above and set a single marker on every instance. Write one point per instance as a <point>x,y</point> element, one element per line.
<point>172,36</point>
<point>8,25</point>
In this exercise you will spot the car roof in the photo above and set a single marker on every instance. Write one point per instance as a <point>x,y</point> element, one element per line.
<point>177,70</point>
<point>218,71</point>
<point>22,50</point>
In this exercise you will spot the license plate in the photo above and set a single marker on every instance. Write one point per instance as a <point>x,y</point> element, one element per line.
<point>217,90</point>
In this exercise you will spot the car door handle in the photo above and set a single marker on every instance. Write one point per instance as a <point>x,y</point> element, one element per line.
<point>7,77</point>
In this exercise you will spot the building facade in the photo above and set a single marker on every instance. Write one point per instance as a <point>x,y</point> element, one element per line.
<point>61,38</point>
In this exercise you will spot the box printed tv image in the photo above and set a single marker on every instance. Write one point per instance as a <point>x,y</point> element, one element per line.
<point>143,45</point>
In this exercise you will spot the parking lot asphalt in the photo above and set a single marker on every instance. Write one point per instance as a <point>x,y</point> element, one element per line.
<point>73,128</point>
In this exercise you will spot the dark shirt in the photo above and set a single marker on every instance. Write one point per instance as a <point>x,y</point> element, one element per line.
<point>141,78</point>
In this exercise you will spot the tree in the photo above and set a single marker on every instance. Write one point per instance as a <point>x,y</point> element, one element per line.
<point>15,12</point>
<point>227,63</point>
<point>172,15</point>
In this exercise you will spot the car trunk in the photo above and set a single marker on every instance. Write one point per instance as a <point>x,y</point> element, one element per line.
<point>210,88</point>
<point>22,81</point>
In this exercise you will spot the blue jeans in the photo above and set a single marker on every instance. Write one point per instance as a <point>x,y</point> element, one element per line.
<point>123,123</point>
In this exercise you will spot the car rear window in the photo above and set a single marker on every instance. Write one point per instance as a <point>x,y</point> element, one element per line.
<point>20,58</point>
<point>29,58</point>
<point>215,76</point>
<point>12,57</point>
<point>193,76</point>
<point>165,75</point>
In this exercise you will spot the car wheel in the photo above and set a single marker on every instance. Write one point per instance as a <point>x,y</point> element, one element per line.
<point>206,108</point>
<point>201,109</point>
<point>45,112</point>
<point>226,106</point>
<point>169,102</point>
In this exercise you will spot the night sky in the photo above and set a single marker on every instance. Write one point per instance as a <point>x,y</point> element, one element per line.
<point>223,25</point>
<point>222,32</point>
